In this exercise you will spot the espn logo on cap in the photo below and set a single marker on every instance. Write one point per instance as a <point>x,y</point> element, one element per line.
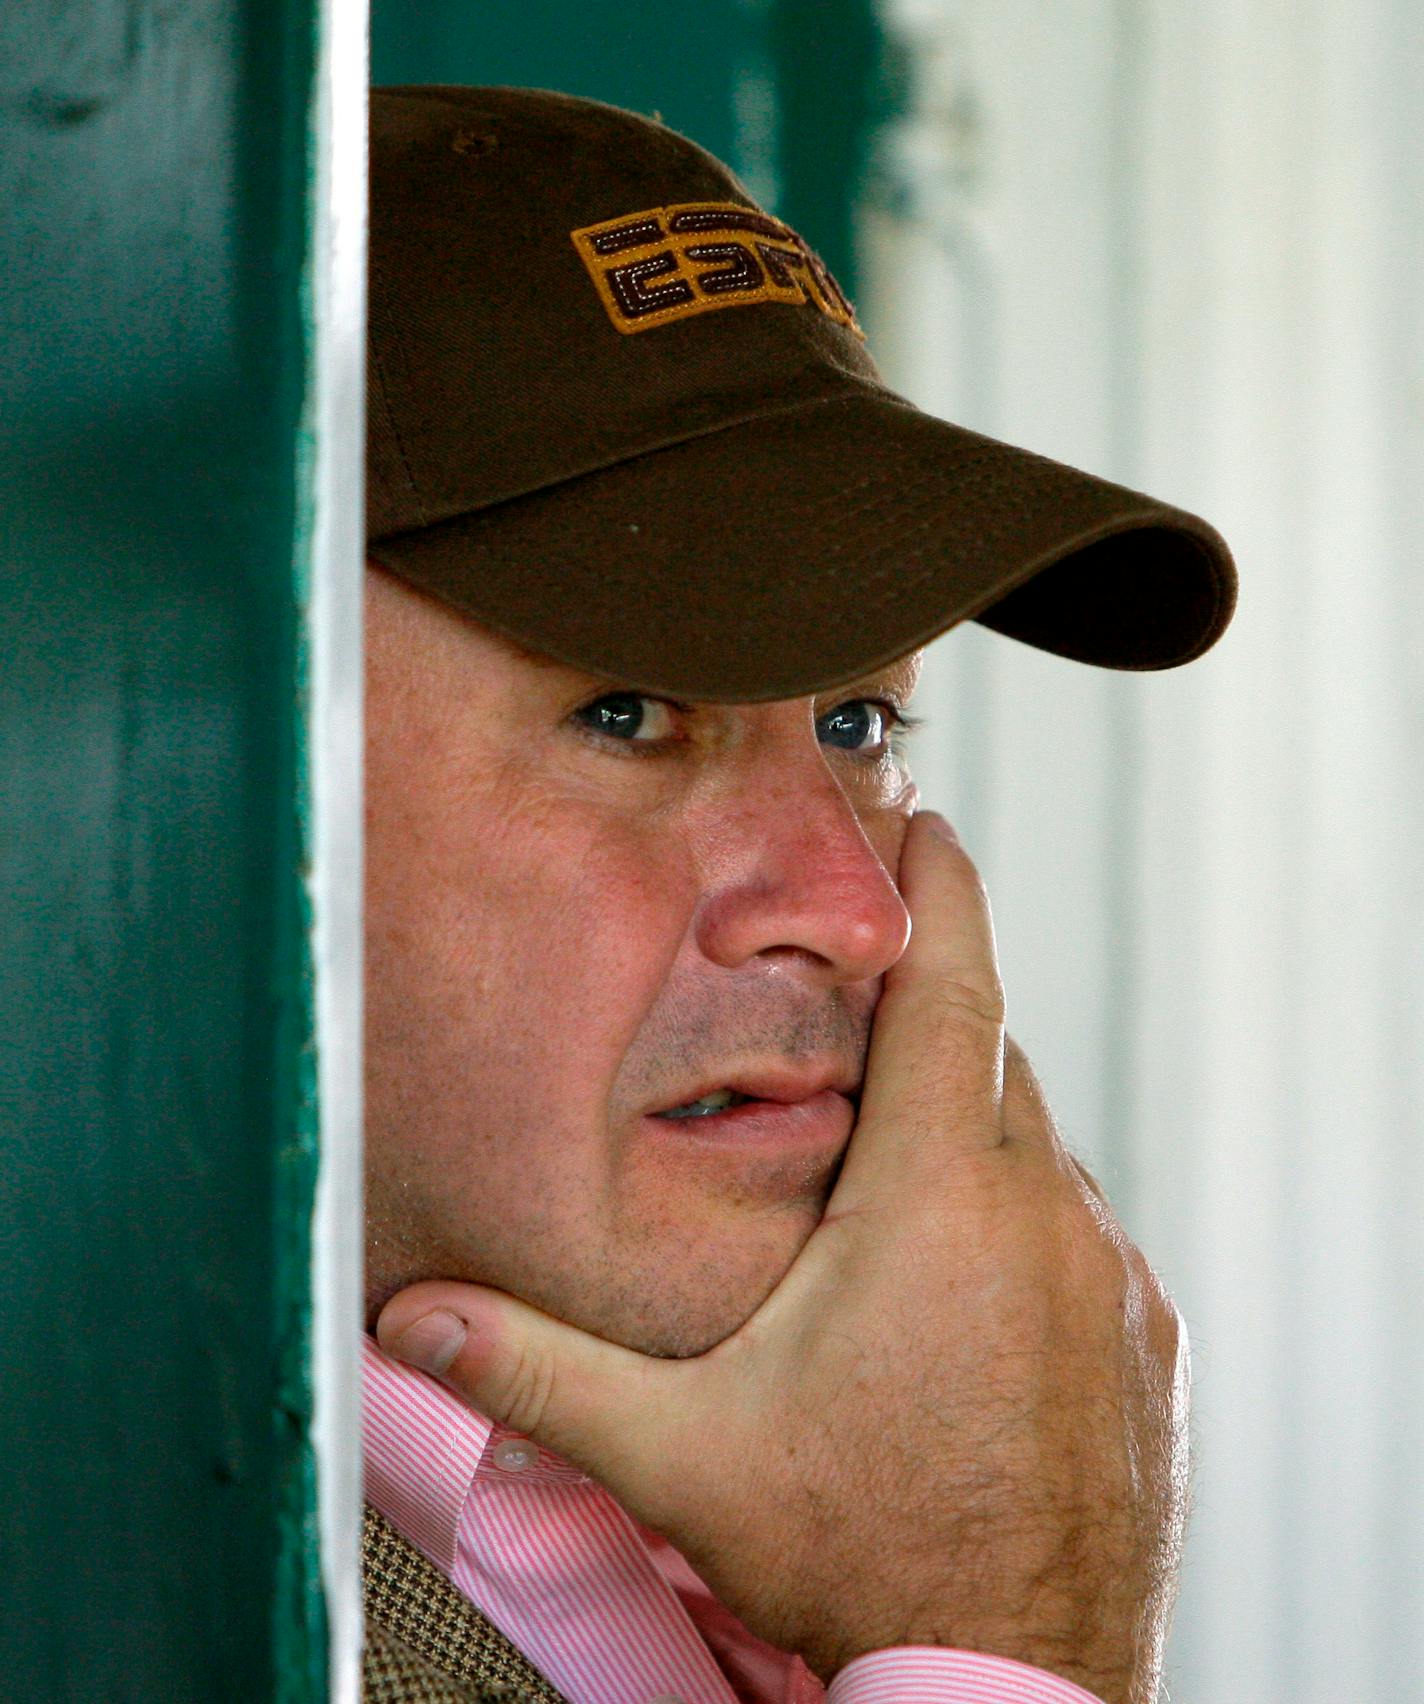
<point>672,262</point>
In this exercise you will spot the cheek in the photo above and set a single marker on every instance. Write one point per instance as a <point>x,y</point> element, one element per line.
<point>613,922</point>
<point>517,964</point>
<point>602,919</point>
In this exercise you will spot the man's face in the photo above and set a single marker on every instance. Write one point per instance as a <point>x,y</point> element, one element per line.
<point>586,910</point>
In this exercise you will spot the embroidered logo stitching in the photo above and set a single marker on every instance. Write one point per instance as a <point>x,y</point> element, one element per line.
<point>669,263</point>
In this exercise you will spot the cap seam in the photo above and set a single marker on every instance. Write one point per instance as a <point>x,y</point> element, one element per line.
<point>800,405</point>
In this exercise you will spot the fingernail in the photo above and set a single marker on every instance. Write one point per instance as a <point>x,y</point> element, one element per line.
<point>431,1342</point>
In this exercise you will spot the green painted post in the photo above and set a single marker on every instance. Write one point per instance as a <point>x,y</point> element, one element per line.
<point>827,66</point>
<point>157,1109</point>
<point>679,61</point>
<point>788,91</point>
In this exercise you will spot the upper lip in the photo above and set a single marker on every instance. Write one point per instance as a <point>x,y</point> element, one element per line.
<point>784,1083</point>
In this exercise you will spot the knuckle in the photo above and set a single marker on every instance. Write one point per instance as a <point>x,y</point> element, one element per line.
<point>1017,1061</point>
<point>982,1001</point>
<point>1156,1321</point>
<point>1024,1100</point>
<point>1166,1329</point>
<point>526,1388</point>
<point>1181,1353</point>
<point>1087,1178</point>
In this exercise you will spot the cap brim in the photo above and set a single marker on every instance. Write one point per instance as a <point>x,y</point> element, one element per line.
<point>799,550</point>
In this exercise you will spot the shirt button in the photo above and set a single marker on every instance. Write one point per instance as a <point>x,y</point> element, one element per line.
<point>515,1454</point>
<point>666,1698</point>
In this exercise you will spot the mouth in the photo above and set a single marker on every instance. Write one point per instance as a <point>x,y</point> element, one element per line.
<point>707,1106</point>
<point>774,1085</point>
<point>801,1107</point>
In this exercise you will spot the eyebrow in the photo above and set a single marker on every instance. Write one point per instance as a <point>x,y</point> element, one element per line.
<point>900,673</point>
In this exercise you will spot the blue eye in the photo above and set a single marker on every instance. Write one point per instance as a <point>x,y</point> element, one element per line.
<point>859,725</point>
<point>629,716</point>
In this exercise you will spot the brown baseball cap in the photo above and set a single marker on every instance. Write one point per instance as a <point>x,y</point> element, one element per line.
<point>621,415</point>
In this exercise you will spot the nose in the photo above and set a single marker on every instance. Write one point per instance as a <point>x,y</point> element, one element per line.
<point>795,880</point>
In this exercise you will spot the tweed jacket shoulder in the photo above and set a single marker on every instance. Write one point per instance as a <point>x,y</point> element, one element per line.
<point>425,1642</point>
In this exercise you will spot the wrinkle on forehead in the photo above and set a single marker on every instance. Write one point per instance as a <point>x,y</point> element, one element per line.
<point>413,629</point>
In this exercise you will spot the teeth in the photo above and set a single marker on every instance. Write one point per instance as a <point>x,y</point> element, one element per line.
<point>719,1101</point>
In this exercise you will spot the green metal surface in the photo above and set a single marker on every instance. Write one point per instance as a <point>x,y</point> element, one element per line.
<point>786,91</point>
<point>156,1125</point>
<point>675,60</point>
<point>825,58</point>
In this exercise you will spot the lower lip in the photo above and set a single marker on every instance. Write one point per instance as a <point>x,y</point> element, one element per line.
<point>820,1122</point>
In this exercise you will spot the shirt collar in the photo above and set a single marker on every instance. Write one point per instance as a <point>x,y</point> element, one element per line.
<point>424,1449</point>
<point>421,1446</point>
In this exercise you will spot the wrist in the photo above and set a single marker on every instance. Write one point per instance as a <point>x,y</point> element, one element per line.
<point>1102,1643</point>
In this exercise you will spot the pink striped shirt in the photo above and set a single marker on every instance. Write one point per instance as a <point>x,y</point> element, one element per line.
<point>609,1611</point>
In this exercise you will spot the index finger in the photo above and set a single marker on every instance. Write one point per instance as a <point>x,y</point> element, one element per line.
<point>935,1072</point>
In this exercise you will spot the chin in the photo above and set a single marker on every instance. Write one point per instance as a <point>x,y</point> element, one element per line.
<point>681,1340</point>
<point>684,1309</point>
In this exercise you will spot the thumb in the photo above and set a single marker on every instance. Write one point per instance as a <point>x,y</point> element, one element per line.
<point>603,1407</point>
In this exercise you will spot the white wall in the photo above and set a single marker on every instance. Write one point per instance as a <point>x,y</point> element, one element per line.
<point>1179,242</point>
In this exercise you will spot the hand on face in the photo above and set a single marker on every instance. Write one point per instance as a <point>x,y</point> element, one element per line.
<point>587,910</point>
<point>968,1370</point>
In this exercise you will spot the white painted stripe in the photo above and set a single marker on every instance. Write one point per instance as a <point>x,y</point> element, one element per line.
<point>335,424</point>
